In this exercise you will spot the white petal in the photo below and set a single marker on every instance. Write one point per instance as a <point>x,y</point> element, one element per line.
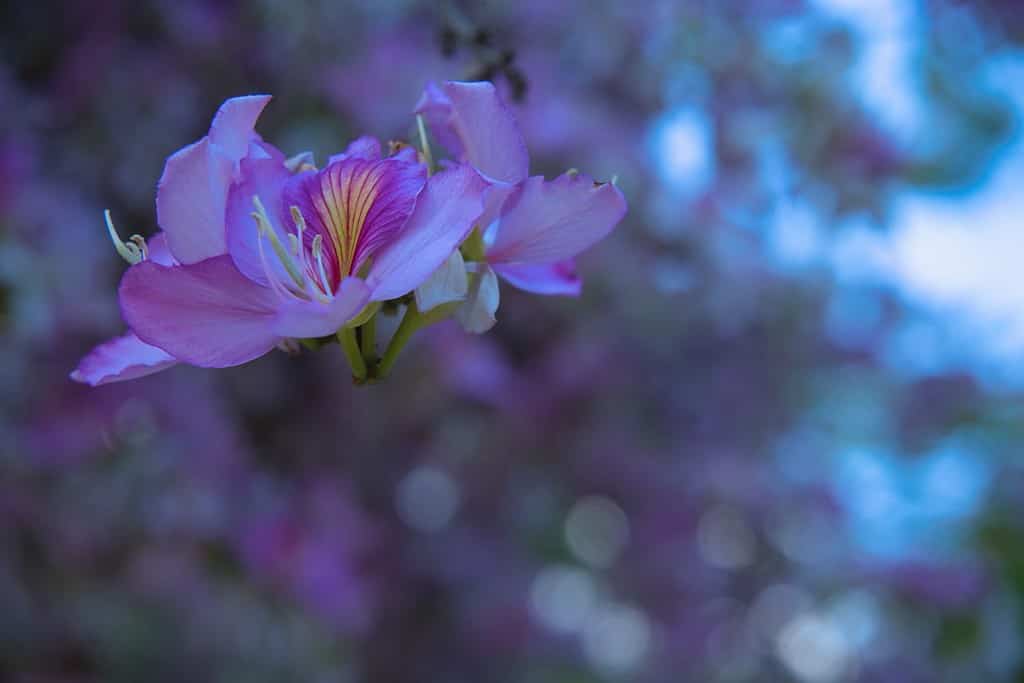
<point>448,283</point>
<point>477,313</point>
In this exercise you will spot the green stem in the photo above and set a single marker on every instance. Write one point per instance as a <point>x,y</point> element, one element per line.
<point>368,340</point>
<point>347,339</point>
<point>410,323</point>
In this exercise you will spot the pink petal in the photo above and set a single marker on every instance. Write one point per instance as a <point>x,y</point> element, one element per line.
<point>206,314</point>
<point>314,319</point>
<point>264,178</point>
<point>543,278</point>
<point>365,147</point>
<point>264,150</point>
<point>471,120</point>
<point>444,215</point>
<point>232,128</point>
<point>190,201</point>
<point>120,359</point>
<point>436,108</point>
<point>358,206</point>
<point>408,154</point>
<point>158,251</point>
<point>495,197</point>
<point>546,222</point>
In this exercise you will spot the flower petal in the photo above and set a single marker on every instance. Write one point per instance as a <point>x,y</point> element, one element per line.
<point>471,120</point>
<point>446,284</point>
<point>543,278</point>
<point>477,314</point>
<point>366,147</point>
<point>356,206</point>
<point>314,319</point>
<point>258,149</point>
<point>436,108</point>
<point>264,178</point>
<point>232,127</point>
<point>120,359</point>
<point>206,314</point>
<point>445,212</point>
<point>190,200</point>
<point>158,251</point>
<point>544,222</point>
<point>495,197</point>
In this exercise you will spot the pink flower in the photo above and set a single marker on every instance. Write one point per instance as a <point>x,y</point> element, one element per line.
<point>532,228</point>
<point>256,249</point>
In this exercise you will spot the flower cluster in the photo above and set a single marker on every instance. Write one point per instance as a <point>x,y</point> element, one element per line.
<point>258,250</point>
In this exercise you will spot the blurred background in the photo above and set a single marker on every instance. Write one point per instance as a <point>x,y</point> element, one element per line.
<point>777,439</point>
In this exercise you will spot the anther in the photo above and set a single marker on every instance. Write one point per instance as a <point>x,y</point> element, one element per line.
<point>300,228</point>
<point>132,251</point>
<point>300,162</point>
<point>318,258</point>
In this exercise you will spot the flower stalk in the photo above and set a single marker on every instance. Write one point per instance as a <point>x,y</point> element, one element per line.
<point>368,341</point>
<point>347,339</point>
<point>406,329</point>
<point>412,322</point>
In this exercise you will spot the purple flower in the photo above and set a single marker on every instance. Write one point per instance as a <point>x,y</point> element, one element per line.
<point>127,357</point>
<point>532,228</point>
<point>256,248</point>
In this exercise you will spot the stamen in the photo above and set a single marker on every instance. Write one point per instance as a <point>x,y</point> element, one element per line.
<point>300,227</point>
<point>424,144</point>
<point>271,276</point>
<point>132,251</point>
<point>266,229</point>
<point>318,257</point>
<point>140,242</point>
<point>300,162</point>
<point>290,346</point>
